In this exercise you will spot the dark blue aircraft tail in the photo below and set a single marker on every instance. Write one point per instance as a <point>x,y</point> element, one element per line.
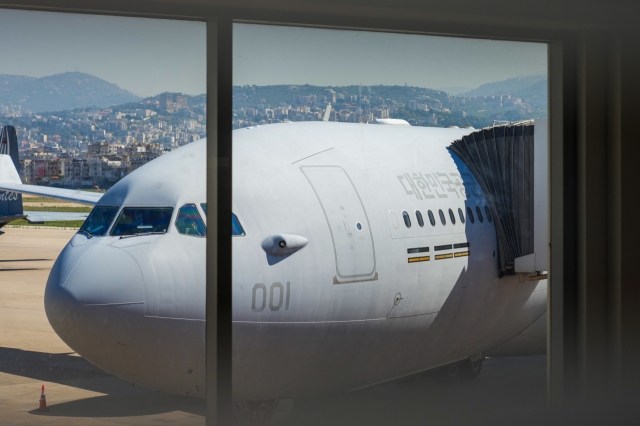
<point>10,202</point>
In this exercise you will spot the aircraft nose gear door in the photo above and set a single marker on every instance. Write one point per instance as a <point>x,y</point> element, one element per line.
<point>348,223</point>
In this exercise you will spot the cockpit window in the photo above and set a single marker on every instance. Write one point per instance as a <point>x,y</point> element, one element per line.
<point>236,228</point>
<point>189,221</point>
<point>142,220</point>
<point>99,220</point>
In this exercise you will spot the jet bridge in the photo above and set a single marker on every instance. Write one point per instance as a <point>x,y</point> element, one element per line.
<point>510,163</point>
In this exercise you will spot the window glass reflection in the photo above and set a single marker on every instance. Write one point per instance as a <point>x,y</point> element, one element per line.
<point>189,221</point>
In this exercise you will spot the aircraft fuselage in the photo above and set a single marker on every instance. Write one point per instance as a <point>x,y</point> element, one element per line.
<point>367,297</point>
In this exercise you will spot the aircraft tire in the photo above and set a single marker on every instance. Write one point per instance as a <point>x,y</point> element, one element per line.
<point>470,370</point>
<point>448,375</point>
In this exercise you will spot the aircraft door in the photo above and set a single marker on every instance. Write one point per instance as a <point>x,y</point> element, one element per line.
<point>348,223</point>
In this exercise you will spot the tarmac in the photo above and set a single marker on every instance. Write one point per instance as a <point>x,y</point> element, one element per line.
<point>32,355</point>
<point>78,393</point>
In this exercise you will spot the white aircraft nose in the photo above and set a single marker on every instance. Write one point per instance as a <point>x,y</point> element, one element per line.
<point>94,298</point>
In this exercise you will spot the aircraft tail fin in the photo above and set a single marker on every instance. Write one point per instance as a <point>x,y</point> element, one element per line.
<point>327,113</point>
<point>10,202</point>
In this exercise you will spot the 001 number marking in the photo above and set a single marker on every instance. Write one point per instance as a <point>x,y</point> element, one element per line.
<point>276,291</point>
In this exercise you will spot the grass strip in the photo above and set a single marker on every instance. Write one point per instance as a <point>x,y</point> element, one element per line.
<point>58,209</point>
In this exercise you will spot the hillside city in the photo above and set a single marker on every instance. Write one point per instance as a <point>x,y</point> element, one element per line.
<point>258,105</point>
<point>91,147</point>
<point>96,147</point>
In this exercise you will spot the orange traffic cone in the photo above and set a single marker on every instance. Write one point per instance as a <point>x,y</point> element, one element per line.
<point>43,401</point>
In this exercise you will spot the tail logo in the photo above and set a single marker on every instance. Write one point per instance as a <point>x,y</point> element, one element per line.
<point>9,196</point>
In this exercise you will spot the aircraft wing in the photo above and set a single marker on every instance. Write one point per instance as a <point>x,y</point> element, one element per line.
<point>74,195</point>
<point>54,216</point>
<point>11,183</point>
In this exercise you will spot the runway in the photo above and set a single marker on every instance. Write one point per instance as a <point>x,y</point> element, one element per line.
<point>78,393</point>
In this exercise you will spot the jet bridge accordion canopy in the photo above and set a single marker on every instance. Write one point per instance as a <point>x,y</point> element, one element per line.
<point>502,160</point>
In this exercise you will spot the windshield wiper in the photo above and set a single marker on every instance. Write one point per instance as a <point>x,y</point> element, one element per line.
<point>87,233</point>
<point>141,234</point>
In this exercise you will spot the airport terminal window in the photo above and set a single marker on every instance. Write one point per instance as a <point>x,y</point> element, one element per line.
<point>236,228</point>
<point>189,222</point>
<point>479,213</point>
<point>142,220</point>
<point>99,220</point>
<point>452,217</point>
<point>470,214</point>
<point>431,218</point>
<point>407,219</point>
<point>419,217</point>
<point>442,219</point>
<point>488,212</point>
<point>461,214</point>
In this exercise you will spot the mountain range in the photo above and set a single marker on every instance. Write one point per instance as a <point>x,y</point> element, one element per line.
<point>533,88</point>
<point>71,90</point>
<point>63,91</point>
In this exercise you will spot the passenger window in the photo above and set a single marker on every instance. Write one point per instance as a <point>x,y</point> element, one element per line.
<point>99,220</point>
<point>204,207</point>
<point>407,219</point>
<point>142,220</point>
<point>419,217</point>
<point>488,212</point>
<point>236,228</point>
<point>470,214</point>
<point>452,217</point>
<point>431,218</point>
<point>442,219</point>
<point>189,221</point>
<point>479,213</point>
<point>461,214</point>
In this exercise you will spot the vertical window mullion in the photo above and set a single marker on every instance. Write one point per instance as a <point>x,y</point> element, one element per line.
<point>219,160</point>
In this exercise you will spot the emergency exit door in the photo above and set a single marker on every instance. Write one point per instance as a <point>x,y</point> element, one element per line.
<point>348,223</point>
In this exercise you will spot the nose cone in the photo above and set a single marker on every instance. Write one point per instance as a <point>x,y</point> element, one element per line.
<point>95,294</point>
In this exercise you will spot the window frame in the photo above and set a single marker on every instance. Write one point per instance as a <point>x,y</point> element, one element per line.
<point>563,106</point>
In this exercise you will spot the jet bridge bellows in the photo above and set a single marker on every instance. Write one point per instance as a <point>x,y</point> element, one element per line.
<point>509,161</point>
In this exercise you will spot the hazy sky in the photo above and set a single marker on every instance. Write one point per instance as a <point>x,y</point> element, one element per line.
<point>150,56</point>
<point>144,56</point>
<point>275,55</point>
